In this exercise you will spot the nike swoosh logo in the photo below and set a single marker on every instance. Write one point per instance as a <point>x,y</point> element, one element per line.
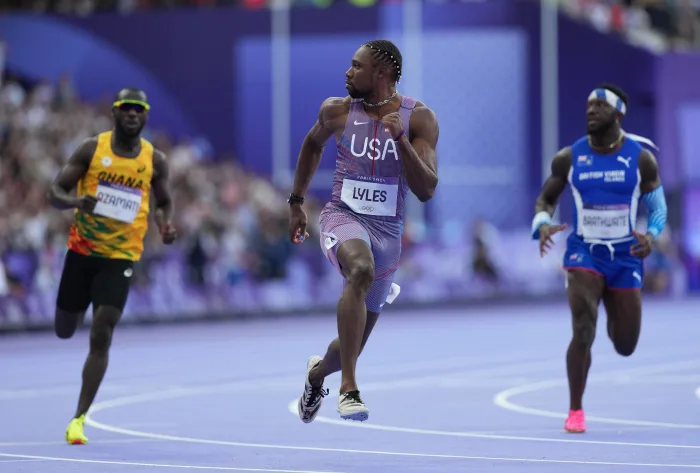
<point>142,169</point>
<point>360,123</point>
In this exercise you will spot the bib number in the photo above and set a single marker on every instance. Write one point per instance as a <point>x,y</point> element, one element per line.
<point>118,202</point>
<point>606,222</point>
<point>369,195</point>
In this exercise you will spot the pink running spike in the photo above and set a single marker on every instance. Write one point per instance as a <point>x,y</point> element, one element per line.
<point>576,423</point>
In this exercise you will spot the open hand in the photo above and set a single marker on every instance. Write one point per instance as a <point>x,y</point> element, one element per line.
<point>546,232</point>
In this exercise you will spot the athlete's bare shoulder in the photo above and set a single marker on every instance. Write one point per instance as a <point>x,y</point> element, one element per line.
<point>334,111</point>
<point>562,162</point>
<point>158,155</point>
<point>85,150</point>
<point>424,124</point>
<point>422,108</point>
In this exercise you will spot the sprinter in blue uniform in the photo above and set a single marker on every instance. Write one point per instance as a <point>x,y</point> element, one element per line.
<point>609,172</point>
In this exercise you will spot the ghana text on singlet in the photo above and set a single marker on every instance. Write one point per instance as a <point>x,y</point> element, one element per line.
<point>369,177</point>
<point>118,225</point>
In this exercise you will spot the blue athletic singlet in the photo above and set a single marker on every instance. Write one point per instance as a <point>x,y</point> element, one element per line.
<point>606,194</point>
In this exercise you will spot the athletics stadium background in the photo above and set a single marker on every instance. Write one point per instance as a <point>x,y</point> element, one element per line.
<point>234,88</point>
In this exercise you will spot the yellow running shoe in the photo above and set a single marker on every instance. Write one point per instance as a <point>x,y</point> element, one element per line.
<point>74,432</point>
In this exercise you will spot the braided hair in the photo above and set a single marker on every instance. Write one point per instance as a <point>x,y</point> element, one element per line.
<point>387,53</point>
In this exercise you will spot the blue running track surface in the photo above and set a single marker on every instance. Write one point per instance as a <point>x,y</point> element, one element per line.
<point>449,391</point>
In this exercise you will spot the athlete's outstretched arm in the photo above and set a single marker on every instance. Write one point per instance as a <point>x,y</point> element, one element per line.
<point>655,200</point>
<point>546,203</point>
<point>78,164</point>
<point>314,143</point>
<point>419,155</point>
<point>160,188</point>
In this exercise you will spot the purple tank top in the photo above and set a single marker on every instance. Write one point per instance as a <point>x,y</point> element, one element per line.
<point>369,177</point>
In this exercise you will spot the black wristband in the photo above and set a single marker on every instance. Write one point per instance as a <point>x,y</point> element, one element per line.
<point>295,199</point>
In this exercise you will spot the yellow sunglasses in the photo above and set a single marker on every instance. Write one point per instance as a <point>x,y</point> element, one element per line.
<point>119,103</point>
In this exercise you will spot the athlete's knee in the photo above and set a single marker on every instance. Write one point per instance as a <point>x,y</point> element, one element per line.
<point>584,324</point>
<point>66,323</point>
<point>584,334</point>
<point>625,348</point>
<point>104,321</point>
<point>625,343</point>
<point>361,273</point>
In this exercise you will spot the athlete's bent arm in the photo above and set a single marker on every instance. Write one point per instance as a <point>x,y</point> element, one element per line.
<point>314,143</point>
<point>653,196</point>
<point>419,155</point>
<point>161,193</point>
<point>329,115</point>
<point>555,183</point>
<point>78,164</point>
<point>546,203</point>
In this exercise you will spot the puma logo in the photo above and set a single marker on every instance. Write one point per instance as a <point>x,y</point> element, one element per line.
<point>624,161</point>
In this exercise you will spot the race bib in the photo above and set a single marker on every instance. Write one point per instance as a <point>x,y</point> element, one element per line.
<point>370,195</point>
<point>605,221</point>
<point>118,202</point>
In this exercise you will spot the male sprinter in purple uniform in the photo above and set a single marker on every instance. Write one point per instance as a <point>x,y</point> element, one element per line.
<point>386,145</point>
<point>609,172</point>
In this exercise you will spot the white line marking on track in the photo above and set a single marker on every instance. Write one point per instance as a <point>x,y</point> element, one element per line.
<point>55,442</point>
<point>648,369</point>
<point>292,407</point>
<point>368,452</point>
<point>241,386</point>
<point>157,465</point>
<point>502,399</point>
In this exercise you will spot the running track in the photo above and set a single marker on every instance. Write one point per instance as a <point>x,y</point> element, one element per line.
<point>450,391</point>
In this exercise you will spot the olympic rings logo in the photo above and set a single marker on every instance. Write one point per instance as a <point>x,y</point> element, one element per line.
<point>364,208</point>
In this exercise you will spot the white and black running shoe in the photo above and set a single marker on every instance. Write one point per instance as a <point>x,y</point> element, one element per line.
<point>351,407</point>
<point>310,402</point>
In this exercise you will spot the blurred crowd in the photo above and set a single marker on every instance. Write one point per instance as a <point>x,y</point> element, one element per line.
<point>659,25</point>
<point>232,224</point>
<point>87,7</point>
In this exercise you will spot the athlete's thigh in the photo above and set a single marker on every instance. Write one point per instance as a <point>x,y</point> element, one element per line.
<point>624,311</point>
<point>386,249</point>
<point>343,238</point>
<point>585,283</point>
<point>623,298</point>
<point>626,273</point>
<point>584,290</point>
<point>74,288</point>
<point>111,284</point>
